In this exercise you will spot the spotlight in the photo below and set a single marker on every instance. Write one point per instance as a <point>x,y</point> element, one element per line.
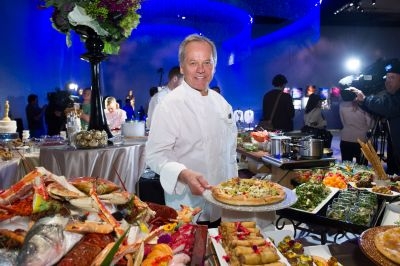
<point>73,86</point>
<point>373,2</point>
<point>353,65</point>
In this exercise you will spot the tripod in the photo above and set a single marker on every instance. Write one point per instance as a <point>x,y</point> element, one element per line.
<point>378,136</point>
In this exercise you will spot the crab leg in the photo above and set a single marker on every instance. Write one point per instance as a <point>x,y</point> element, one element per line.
<point>21,188</point>
<point>117,226</point>
<point>127,249</point>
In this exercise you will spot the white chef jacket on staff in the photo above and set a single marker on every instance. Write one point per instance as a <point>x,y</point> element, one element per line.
<point>195,132</point>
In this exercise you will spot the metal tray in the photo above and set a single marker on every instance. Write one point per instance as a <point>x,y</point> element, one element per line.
<point>331,225</point>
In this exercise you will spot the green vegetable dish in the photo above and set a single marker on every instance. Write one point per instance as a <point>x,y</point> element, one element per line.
<point>309,195</point>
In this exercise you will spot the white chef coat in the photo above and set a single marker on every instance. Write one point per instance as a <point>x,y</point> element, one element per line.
<point>154,101</point>
<point>195,132</point>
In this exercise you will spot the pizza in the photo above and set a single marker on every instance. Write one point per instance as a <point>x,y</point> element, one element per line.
<point>248,192</point>
<point>388,244</point>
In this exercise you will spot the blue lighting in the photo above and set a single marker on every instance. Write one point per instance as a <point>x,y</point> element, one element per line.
<point>309,23</point>
<point>35,58</point>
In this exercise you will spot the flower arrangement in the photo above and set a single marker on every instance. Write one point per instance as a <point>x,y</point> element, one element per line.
<point>112,20</point>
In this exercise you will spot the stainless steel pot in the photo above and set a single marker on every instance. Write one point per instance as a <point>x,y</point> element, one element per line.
<point>310,148</point>
<point>280,146</point>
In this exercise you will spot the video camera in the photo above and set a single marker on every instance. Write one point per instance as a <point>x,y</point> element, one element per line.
<point>371,81</point>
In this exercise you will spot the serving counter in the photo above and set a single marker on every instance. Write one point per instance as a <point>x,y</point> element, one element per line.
<point>261,162</point>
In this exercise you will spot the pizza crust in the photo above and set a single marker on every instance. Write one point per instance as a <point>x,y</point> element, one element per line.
<point>248,192</point>
<point>388,244</point>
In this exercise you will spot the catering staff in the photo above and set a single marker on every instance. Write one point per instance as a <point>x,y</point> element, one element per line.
<point>192,141</point>
<point>174,80</point>
<point>387,105</point>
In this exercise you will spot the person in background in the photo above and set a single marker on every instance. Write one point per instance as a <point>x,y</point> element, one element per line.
<point>119,103</point>
<point>356,123</point>
<point>386,104</point>
<point>153,91</point>
<point>129,109</point>
<point>85,108</point>
<point>174,80</point>
<point>130,96</point>
<point>188,160</point>
<point>310,89</point>
<point>54,115</point>
<point>314,121</point>
<point>141,114</point>
<point>34,116</point>
<point>114,115</point>
<point>284,112</point>
<point>217,89</point>
<point>313,113</point>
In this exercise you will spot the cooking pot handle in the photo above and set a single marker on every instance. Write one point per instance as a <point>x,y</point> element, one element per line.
<point>307,137</point>
<point>298,145</point>
<point>294,145</point>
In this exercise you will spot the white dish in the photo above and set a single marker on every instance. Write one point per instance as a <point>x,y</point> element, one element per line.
<point>289,200</point>
<point>322,203</point>
<point>391,215</point>
<point>394,193</point>
<point>219,250</point>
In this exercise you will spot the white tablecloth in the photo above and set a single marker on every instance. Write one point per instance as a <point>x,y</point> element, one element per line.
<point>127,161</point>
<point>13,170</point>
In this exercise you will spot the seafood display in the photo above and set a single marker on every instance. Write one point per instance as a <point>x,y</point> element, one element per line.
<point>47,242</point>
<point>46,219</point>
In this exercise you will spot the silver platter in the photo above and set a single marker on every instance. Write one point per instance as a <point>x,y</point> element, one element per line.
<point>289,200</point>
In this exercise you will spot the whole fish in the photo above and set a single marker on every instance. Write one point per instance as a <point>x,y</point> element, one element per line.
<point>8,257</point>
<point>47,242</point>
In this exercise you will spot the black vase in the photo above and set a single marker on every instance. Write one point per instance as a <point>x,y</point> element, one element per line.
<point>94,56</point>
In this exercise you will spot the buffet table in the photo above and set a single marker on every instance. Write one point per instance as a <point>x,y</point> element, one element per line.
<point>252,161</point>
<point>13,170</point>
<point>280,169</point>
<point>126,161</point>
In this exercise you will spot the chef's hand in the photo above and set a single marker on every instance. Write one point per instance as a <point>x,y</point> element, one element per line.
<point>360,95</point>
<point>196,181</point>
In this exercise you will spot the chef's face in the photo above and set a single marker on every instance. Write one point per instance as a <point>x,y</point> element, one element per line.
<point>392,82</point>
<point>198,65</point>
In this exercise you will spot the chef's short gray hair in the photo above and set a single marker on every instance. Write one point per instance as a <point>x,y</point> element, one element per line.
<point>196,38</point>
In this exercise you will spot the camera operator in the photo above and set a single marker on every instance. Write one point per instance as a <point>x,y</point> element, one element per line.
<point>387,105</point>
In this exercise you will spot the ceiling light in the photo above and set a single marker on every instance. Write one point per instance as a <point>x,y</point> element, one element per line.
<point>373,2</point>
<point>353,65</point>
